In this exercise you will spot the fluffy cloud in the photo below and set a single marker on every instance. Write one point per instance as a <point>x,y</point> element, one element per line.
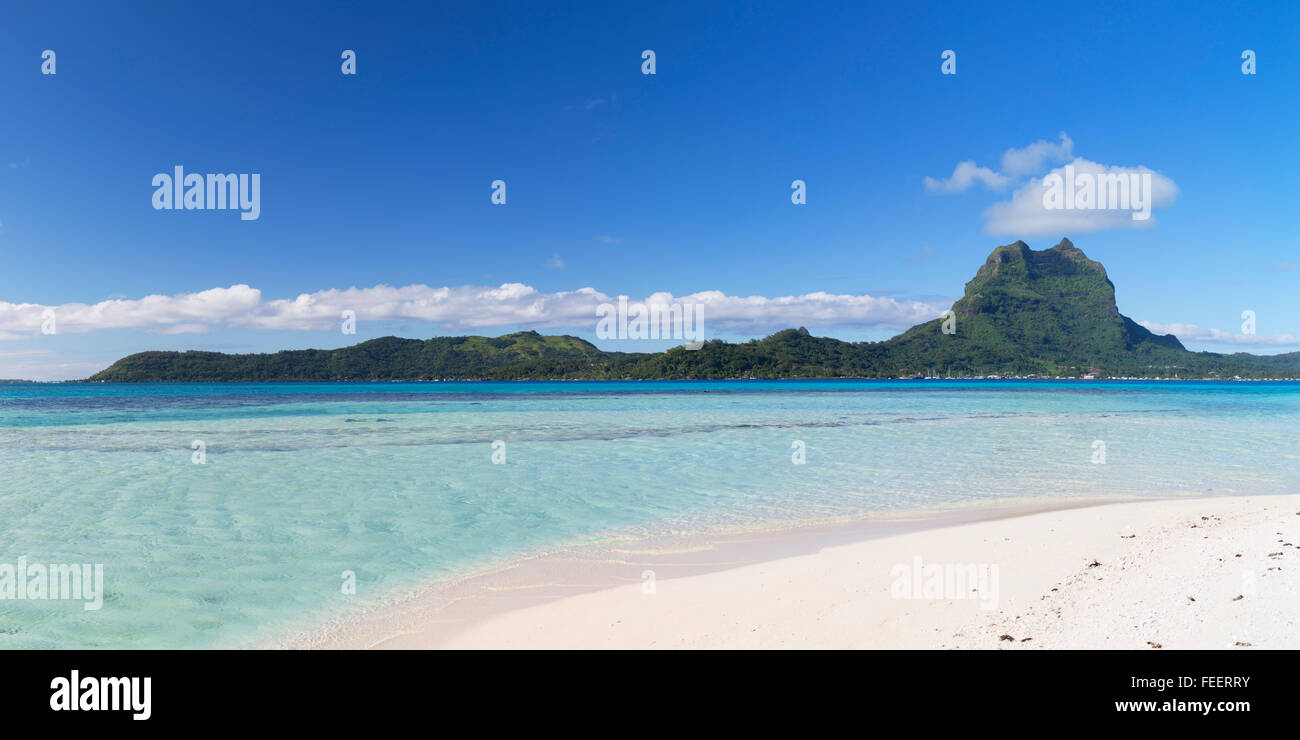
<point>464,308</point>
<point>1191,333</point>
<point>964,175</point>
<point>1026,215</point>
<point>1015,163</point>
<point>150,312</point>
<point>1031,159</point>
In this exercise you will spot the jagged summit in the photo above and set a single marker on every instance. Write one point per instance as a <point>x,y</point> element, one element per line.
<point>1039,311</point>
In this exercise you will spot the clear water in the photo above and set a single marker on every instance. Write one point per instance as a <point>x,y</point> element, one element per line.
<point>396,482</point>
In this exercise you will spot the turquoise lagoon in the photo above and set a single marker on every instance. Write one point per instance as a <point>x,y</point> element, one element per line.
<point>396,481</point>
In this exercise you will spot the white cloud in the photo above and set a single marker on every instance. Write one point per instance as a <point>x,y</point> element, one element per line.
<point>465,308</point>
<point>964,175</point>
<point>1031,159</point>
<point>555,263</point>
<point>1196,334</point>
<point>1015,163</point>
<point>150,312</point>
<point>1026,215</point>
<point>181,329</point>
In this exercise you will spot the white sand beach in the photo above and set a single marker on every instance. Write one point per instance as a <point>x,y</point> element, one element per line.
<point>1175,573</point>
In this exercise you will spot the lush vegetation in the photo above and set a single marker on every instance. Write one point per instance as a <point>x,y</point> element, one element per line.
<point>1049,313</point>
<point>523,354</point>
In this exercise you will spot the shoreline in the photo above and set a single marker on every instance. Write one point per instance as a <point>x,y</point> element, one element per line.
<point>443,608</point>
<point>829,585</point>
<point>1054,378</point>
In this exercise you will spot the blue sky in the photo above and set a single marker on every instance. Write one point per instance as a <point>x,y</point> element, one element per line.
<point>629,184</point>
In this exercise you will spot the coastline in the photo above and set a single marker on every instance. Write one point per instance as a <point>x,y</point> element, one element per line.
<point>1164,571</point>
<point>781,378</point>
<point>493,607</point>
<point>441,609</point>
<point>412,505</point>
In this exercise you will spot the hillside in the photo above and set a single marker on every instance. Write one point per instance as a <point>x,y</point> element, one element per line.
<point>386,358</point>
<point>1048,313</point>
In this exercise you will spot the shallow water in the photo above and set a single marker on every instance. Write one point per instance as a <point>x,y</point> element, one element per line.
<point>396,482</point>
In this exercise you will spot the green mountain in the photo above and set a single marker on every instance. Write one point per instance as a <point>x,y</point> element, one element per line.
<point>522,354</point>
<point>1045,313</point>
<point>1050,312</point>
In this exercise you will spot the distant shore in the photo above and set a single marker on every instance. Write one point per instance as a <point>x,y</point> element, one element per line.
<point>1170,573</point>
<point>666,380</point>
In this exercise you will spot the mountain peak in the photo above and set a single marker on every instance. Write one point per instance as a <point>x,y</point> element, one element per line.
<point>1017,277</point>
<point>1066,248</point>
<point>1017,261</point>
<point>1054,305</point>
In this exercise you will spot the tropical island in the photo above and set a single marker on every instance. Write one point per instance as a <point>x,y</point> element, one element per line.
<point>1027,313</point>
